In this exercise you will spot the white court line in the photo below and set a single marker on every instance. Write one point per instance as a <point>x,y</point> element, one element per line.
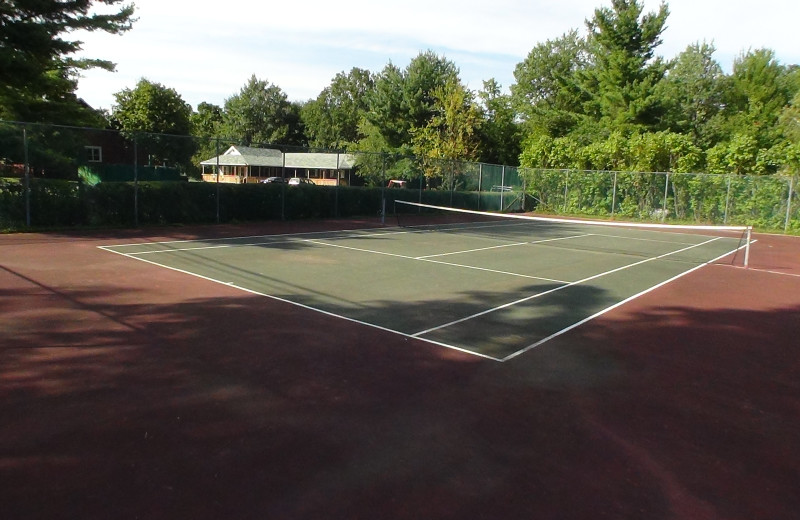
<point>757,270</point>
<point>496,271</point>
<point>178,249</point>
<point>516,244</point>
<point>538,295</point>
<point>423,259</point>
<point>350,233</point>
<point>503,245</point>
<point>413,336</point>
<point>307,307</point>
<point>612,307</point>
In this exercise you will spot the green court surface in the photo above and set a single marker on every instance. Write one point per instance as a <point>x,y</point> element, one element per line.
<point>493,289</point>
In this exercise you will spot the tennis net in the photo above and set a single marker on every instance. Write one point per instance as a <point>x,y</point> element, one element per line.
<point>687,243</point>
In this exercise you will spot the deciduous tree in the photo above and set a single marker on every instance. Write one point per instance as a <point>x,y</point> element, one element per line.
<point>261,114</point>
<point>158,118</point>
<point>499,131</point>
<point>332,119</point>
<point>692,94</point>
<point>451,134</point>
<point>548,94</point>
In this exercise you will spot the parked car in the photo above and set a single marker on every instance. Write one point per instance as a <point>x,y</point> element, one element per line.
<point>273,179</point>
<point>297,181</point>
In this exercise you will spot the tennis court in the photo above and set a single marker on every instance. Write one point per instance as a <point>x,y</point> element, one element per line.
<point>134,388</point>
<point>492,287</point>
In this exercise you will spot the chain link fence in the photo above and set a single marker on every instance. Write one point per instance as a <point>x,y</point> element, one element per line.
<point>65,176</point>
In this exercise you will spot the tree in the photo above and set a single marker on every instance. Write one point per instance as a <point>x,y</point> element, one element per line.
<point>499,131</point>
<point>452,132</point>
<point>331,120</point>
<point>261,114</point>
<point>404,100</point>
<point>386,113</point>
<point>757,93</point>
<point>626,72</point>
<point>38,73</point>
<point>207,129</point>
<point>158,118</point>
<point>548,94</point>
<point>790,120</point>
<point>789,148</point>
<point>693,94</point>
<point>423,76</point>
<point>207,120</point>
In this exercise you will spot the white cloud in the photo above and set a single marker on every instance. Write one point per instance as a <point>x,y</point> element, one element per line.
<point>207,51</point>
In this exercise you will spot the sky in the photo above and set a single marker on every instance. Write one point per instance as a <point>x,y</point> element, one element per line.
<point>207,50</point>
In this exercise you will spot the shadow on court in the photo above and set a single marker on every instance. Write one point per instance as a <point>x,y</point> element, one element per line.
<point>144,393</point>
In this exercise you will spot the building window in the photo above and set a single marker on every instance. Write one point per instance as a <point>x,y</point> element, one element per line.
<point>94,153</point>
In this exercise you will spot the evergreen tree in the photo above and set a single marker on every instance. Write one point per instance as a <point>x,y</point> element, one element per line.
<point>626,72</point>
<point>38,70</point>
<point>404,100</point>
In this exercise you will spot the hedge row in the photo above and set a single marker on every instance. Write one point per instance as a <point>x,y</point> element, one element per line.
<point>760,201</point>
<point>59,203</point>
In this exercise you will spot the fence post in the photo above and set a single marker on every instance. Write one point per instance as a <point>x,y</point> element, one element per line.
<point>421,181</point>
<point>789,205</point>
<point>383,188</point>
<point>666,194</point>
<point>135,182</point>
<point>502,187</point>
<point>727,200</point>
<point>283,185</point>
<point>614,196</point>
<point>566,191</point>
<point>336,193</point>
<point>27,178</point>
<point>480,182</point>
<point>452,180</point>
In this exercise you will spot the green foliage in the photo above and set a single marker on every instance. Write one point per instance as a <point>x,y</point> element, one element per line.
<point>404,100</point>
<point>332,119</point>
<point>626,74</point>
<point>643,152</point>
<point>789,120</point>
<point>87,176</point>
<point>261,114</point>
<point>38,70</point>
<point>548,94</point>
<point>757,93</point>
<point>451,133</point>
<point>692,94</point>
<point>206,127</point>
<point>499,132</point>
<point>155,115</point>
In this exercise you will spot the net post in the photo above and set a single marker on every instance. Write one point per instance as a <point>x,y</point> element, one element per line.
<point>747,246</point>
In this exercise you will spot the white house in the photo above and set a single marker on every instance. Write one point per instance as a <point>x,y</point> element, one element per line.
<point>242,164</point>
